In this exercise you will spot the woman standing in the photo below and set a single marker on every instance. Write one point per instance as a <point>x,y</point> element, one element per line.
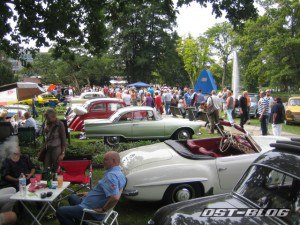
<point>55,140</point>
<point>230,102</point>
<point>148,99</point>
<point>133,98</point>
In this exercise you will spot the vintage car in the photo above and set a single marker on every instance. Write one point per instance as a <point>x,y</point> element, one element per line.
<point>176,171</point>
<point>14,109</point>
<point>42,99</point>
<point>101,108</point>
<point>140,122</point>
<point>269,190</point>
<point>83,97</point>
<point>292,110</point>
<point>253,106</point>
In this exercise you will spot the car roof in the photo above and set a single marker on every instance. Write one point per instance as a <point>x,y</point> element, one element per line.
<point>92,92</point>
<point>284,157</point>
<point>294,97</point>
<point>103,100</point>
<point>134,108</point>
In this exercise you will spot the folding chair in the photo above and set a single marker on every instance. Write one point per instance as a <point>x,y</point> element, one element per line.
<point>6,130</point>
<point>110,217</point>
<point>78,171</point>
<point>27,135</point>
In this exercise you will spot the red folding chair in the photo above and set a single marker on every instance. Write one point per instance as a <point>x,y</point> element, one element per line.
<point>78,171</point>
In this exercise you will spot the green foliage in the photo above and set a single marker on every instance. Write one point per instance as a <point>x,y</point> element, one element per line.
<point>222,36</point>
<point>141,33</point>
<point>237,11</point>
<point>195,54</point>
<point>6,73</point>
<point>270,46</point>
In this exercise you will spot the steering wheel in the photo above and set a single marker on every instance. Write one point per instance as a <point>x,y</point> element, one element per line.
<point>226,141</point>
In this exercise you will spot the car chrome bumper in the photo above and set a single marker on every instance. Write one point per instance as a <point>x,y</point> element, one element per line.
<point>130,192</point>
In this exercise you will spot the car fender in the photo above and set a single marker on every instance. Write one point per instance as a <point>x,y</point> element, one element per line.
<point>152,182</point>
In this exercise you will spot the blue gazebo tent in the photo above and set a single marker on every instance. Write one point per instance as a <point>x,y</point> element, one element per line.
<point>205,82</point>
<point>138,85</point>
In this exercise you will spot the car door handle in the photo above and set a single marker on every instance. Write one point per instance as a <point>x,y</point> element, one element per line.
<point>222,169</point>
<point>135,124</point>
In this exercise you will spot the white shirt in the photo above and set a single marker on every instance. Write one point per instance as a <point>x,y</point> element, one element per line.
<point>126,98</point>
<point>216,100</point>
<point>167,97</point>
<point>30,122</point>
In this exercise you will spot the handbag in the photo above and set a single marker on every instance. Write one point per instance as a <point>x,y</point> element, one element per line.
<point>211,109</point>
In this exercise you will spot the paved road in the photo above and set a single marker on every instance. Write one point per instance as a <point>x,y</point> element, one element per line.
<point>255,130</point>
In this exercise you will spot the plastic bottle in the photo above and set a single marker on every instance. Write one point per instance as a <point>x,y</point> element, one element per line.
<point>49,177</point>
<point>22,185</point>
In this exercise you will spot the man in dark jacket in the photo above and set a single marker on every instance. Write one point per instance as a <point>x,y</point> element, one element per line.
<point>278,116</point>
<point>243,109</point>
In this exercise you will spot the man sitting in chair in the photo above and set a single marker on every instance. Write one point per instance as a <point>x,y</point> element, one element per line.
<point>103,197</point>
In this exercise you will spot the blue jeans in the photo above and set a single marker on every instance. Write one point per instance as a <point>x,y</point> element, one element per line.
<point>229,115</point>
<point>167,107</point>
<point>67,215</point>
<point>264,124</point>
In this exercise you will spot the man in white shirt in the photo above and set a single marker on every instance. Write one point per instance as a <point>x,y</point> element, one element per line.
<point>30,122</point>
<point>213,101</point>
<point>167,101</point>
<point>126,98</point>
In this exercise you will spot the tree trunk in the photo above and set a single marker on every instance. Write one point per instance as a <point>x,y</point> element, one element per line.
<point>225,62</point>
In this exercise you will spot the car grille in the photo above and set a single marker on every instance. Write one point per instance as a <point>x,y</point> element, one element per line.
<point>296,116</point>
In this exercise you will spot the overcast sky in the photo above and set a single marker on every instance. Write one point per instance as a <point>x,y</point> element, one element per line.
<point>195,19</point>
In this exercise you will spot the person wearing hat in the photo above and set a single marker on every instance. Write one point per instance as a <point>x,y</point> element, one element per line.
<point>55,140</point>
<point>278,116</point>
<point>263,111</point>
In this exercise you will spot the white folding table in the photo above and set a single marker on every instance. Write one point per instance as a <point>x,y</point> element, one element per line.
<point>35,197</point>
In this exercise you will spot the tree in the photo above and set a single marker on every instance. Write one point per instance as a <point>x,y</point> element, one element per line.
<point>6,74</point>
<point>222,42</point>
<point>84,23</point>
<point>195,54</point>
<point>74,69</point>
<point>140,35</point>
<point>237,11</point>
<point>270,46</point>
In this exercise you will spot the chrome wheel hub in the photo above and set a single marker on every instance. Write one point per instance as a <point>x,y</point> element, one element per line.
<point>183,195</point>
<point>183,135</point>
<point>113,140</point>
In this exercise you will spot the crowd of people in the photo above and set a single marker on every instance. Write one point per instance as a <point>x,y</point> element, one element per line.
<point>270,110</point>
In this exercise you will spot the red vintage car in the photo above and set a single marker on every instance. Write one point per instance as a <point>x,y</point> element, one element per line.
<point>101,108</point>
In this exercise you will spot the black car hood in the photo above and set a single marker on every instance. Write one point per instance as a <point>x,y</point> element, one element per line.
<point>189,212</point>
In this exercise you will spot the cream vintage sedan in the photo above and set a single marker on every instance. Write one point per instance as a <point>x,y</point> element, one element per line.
<point>176,171</point>
<point>140,122</point>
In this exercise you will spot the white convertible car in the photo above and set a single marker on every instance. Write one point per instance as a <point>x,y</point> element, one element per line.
<point>176,171</point>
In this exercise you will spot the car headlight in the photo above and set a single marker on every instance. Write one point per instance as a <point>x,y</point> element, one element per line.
<point>289,113</point>
<point>151,222</point>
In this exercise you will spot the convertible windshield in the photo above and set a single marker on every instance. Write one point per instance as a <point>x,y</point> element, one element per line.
<point>269,188</point>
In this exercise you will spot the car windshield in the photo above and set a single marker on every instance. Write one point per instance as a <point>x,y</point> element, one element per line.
<point>269,188</point>
<point>295,102</point>
<point>253,99</point>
